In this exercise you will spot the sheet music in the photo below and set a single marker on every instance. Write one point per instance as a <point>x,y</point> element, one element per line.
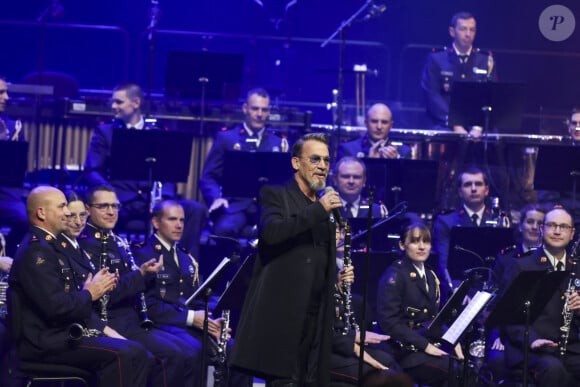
<point>466,317</point>
<point>209,279</point>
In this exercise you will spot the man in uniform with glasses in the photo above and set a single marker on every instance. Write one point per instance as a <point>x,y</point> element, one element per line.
<point>284,333</point>
<point>375,143</point>
<point>548,366</point>
<point>574,126</point>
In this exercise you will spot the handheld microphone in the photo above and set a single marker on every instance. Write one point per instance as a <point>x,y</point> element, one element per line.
<point>335,211</point>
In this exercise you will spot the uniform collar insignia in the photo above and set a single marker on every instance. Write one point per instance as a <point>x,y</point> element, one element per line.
<point>97,235</point>
<point>413,274</point>
<point>40,260</point>
<point>158,247</point>
<point>48,237</point>
<point>63,244</point>
<point>543,259</point>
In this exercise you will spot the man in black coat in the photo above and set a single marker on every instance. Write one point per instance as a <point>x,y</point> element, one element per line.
<point>375,143</point>
<point>460,62</point>
<point>52,298</point>
<point>546,363</point>
<point>236,216</point>
<point>126,105</point>
<point>177,280</point>
<point>473,189</point>
<point>284,332</point>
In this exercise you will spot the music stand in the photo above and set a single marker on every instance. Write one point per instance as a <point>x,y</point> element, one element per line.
<point>234,295</point>
<point>151,155</point>
<point>450,310</point>
<point>404,180</point>
<point>471,247</point>
<point>15,155</point>
<point>204,291</point>
<point>259,168</point>
<point>522,302</point>
<point>565,177</point>
<point>487,104</point>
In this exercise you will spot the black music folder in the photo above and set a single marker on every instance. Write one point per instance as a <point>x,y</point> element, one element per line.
<point>158,155</point>
<point>14,156</point>
<point>535,286</point>
<point>399,180</point>
<point>506,100</point>
<point>246,172</point>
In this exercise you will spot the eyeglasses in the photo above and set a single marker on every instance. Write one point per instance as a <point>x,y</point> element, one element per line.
<point>315,160</point>
<point>106,206</point>
<point>81,216</point>
<point>553,226</point>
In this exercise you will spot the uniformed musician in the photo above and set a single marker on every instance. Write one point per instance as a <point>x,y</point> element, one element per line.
<point>174,283</point>
<point>408,298</point>
<point>460,62</point>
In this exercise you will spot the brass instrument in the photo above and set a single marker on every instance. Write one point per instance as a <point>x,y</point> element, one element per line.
<point>221,370</point>
<point>349,319</point>
<point>573,285</point>
<point>103,262</point>
<point>146,323</point>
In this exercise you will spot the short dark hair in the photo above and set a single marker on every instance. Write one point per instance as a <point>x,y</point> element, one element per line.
<point>298,145</point>
<point>257,91</point>
<point>133,90</point>
<point>349,159</point>
<point>463,15</point>
<point>96,188</point>
<point>531,207</point>
<point>424,232</point>
<point>472,171</point>
<point>72,196</point>
<point>160,207</point>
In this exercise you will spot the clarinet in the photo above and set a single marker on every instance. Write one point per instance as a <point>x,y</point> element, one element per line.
<point>568,314</point>
<point>221,370</point>
<point>103,261</point>
<point>146,323</point>
<point>349,320</point>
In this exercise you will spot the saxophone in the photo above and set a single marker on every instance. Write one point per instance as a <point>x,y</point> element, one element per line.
<point>146,323</point>
<point>103,262</point>
<point>349,320</point>
<point>221,370</point>
<point>568,315</point>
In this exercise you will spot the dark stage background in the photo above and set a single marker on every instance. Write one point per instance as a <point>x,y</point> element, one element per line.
<point>104,42</point>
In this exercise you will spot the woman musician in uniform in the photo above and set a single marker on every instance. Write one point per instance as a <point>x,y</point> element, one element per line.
<point>408,299</point>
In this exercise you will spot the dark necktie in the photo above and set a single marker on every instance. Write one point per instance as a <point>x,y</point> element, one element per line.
<point>348,209</point>
<point>425,283</point>
<point>474,219</point>
<point>559,266</point>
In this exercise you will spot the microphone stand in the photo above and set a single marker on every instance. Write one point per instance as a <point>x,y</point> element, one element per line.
<point>339,98</point>
<point>154,18</point>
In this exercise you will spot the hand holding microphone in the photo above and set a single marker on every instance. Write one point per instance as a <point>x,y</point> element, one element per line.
<point>330,200</point>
